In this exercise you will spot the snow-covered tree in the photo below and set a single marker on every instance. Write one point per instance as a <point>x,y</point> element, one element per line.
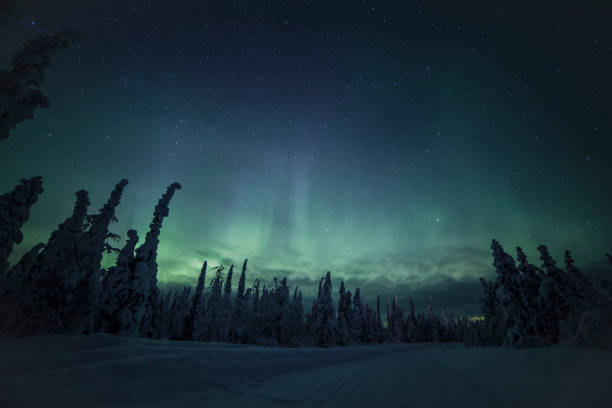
<point>358,318</point>
<point>514,312</point>
<point>179,310</point>
<point>195,309</point>
<point>572,269</point>
<point>211,325</point>
<point>226,313</point>
<point>50,289</point>
<point>90,248</point>
<point>395,320</point>
<point>14,212</point>
<point>297,315</point>
<point>379,325</point>
<point>343,328</point>
<point>240,309</point>
<point>141,316</point>
<point>166,302</point>
<point>115,289</point>
<point>325,323</point>
<point>554,298</point>
<point>10,293</point>
<point>282,314</point>
<point>18,100</point>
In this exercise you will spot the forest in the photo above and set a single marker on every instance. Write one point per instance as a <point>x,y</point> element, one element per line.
<point>59,287</point>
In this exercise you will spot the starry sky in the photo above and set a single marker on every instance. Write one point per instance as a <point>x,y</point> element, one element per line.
<point>387,143</point>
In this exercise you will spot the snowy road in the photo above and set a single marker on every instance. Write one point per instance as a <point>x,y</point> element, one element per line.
<point>107,371</point>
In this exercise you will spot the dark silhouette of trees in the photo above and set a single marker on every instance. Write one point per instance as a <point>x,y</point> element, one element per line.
<point>14,212</point>
<point>530,306</point>
<point>18,99</point>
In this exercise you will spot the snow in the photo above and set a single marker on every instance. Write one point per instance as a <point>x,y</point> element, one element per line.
<point>102,370</point>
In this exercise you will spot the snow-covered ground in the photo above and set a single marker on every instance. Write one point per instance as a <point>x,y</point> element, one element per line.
<point>108,371</point>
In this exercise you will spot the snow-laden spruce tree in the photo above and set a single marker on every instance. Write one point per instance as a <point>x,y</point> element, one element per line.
<point>10,294</point>
<point>227,329</point>
<point>492,331</point>
<point>14,212</point>
<point>48,293</point>
<point>254,310</point>
<point>115,288</point>
<point>166,302</point>
<point>240,311</point>
<point>349,316</point>
<point>411,323</point>
<point>195,309</point>
<point>18,100</point>
<point>358,318</point>
<point>210,325</point>
<point>283,305</point>
<point>379,324</point>
<point>573,270</point>
<point>343,334</point>
<point>178,312</point>
<point>141,315</point>
<point>325,324</point>
<point>515,314</point>
<point>555,298</point>
<point>369,329</point>
<point>297,315</point>
<point>584,295</point>
<point>90,248</point>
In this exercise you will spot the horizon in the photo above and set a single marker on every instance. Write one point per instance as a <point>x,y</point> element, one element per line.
<point>388,144</point>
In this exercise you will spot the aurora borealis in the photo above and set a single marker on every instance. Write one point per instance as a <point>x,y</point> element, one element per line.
<point>385,143</point>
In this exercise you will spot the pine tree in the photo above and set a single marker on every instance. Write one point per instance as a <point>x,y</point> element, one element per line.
<point>254,330</point>
<point>530,288</point>
<point>141,316</point>
<point>515,323</point>
<point>14,212</point>
<point>18,100</point>
<point>411,323</point>
<point>90,248</point>
<point>179,313</point>
<point>50,288</point>
<point>554,297</point>
<point>433,323</point>
<point>115,291</point>
<point>325,323</point>
<point>283,331</point>
<point>343,327</point>
<point>196,305</point>
<point>10,293</point>
<point>358,322</point>
<point>379,325</point>
<point>395,321</point>
<point>212,324</point>
<point>241,281</point>
<point>297,315</point>
<point>572,269</point>
<point>165,311</point>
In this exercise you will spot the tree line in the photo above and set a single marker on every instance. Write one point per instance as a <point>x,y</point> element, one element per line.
<point>59,287</point>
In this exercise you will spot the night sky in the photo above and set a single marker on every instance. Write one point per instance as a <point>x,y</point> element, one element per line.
<point>386,143</point>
